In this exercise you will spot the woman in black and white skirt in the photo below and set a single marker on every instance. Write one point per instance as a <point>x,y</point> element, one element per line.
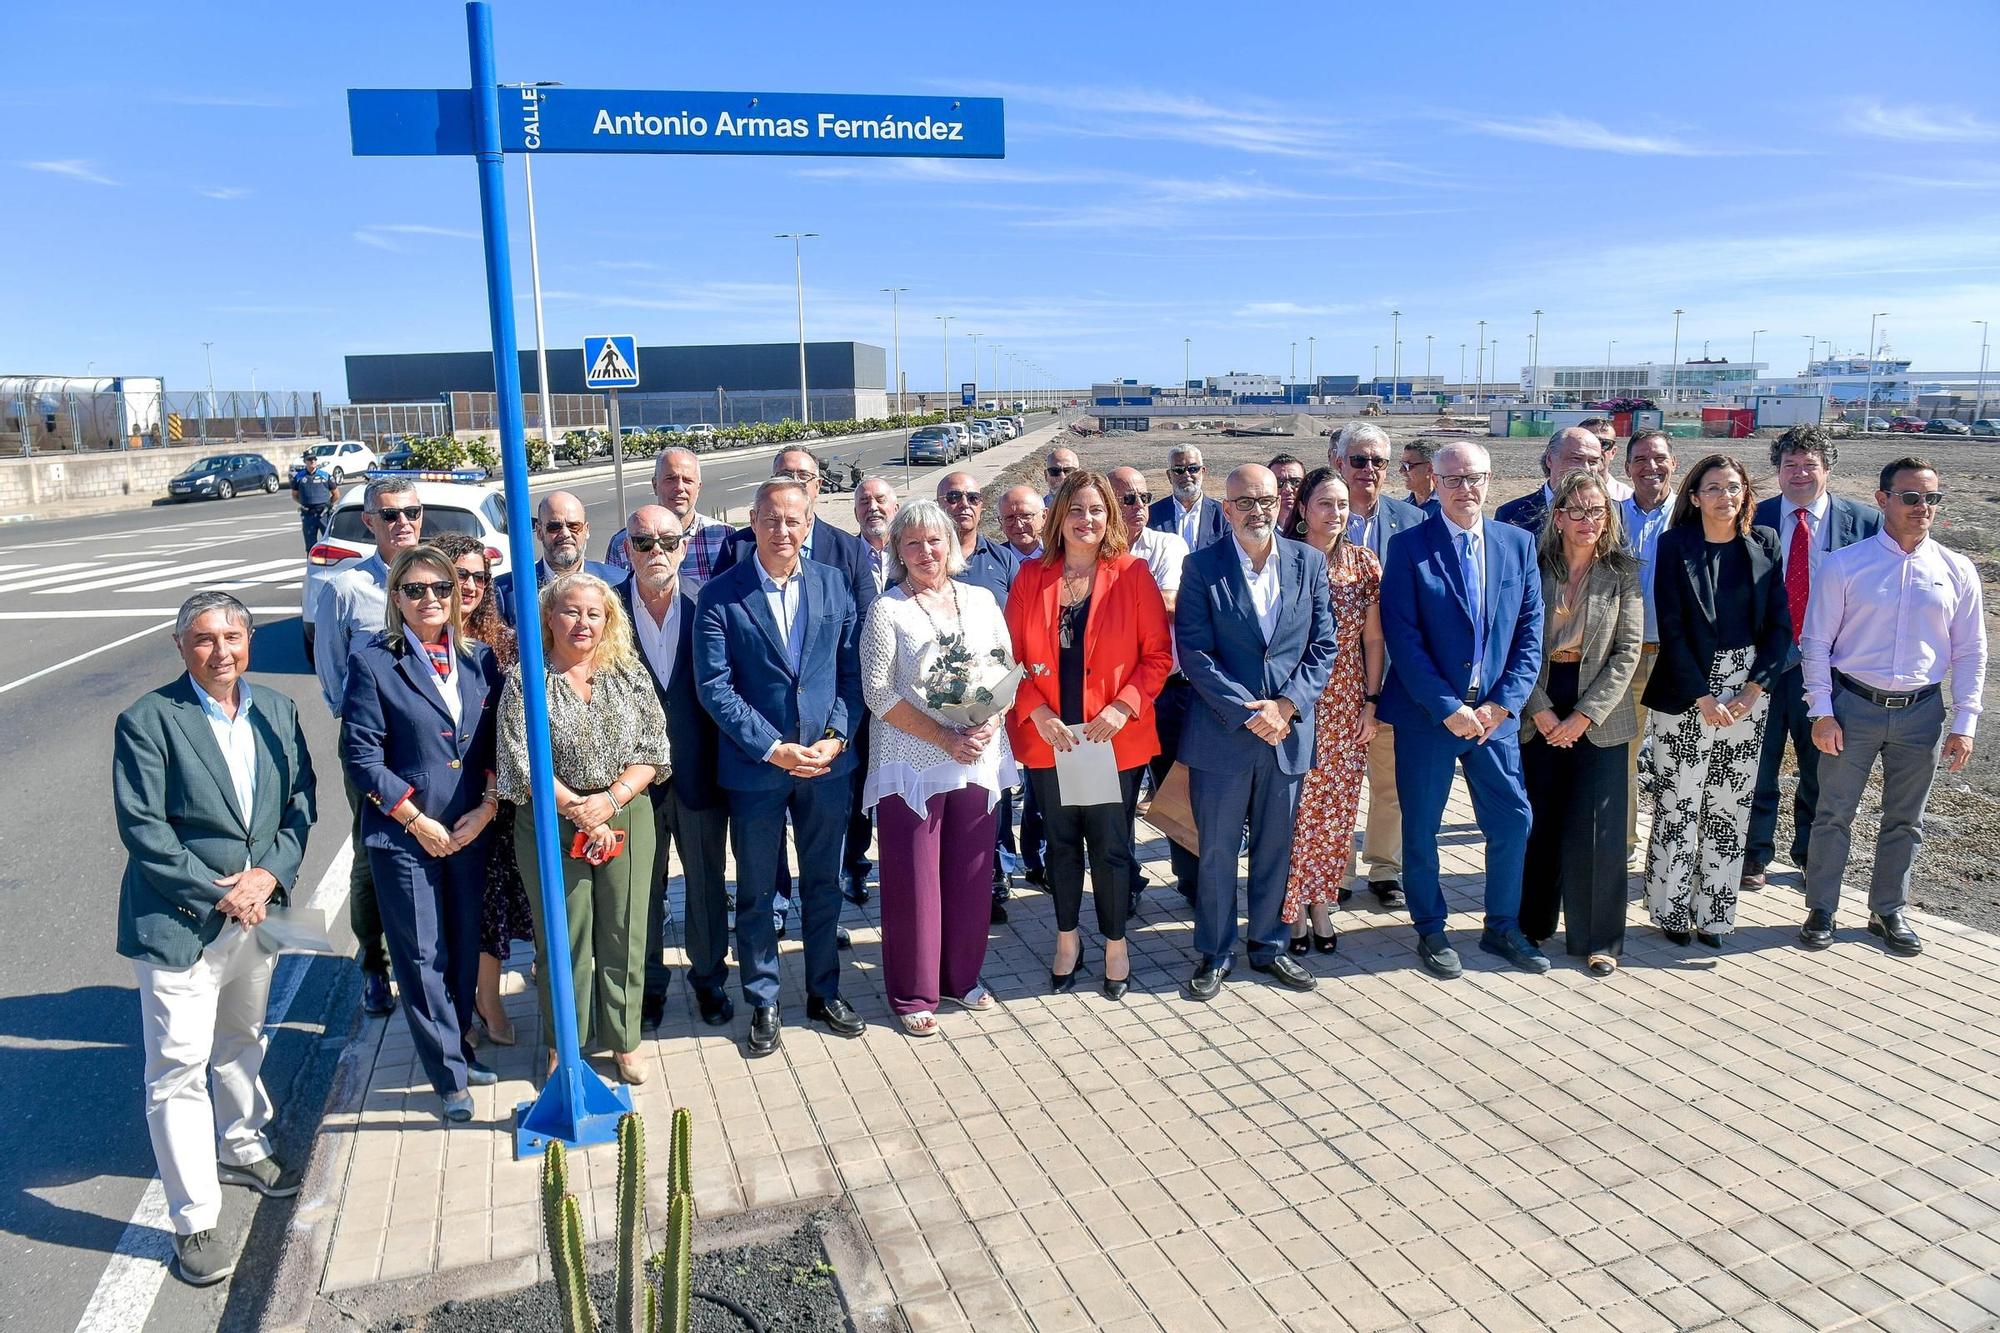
<point>1719,593</point>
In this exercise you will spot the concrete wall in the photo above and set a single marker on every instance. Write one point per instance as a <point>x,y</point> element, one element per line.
<point>61,478</point>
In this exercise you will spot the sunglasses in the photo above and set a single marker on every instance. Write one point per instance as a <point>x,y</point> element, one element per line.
<point>1058,471</point>
<point>415,591</point>
<point>1136,498</point>
<point>409,514</point>
<point>1290,483</point>
<point>555,527</point>
<point>1915,498</point>
<point>962,497</point>
<point>1367,462</point>
<point>1412,467</point>
<point>477,578</point>
<point>646,541</point>
<point>1185,470</point>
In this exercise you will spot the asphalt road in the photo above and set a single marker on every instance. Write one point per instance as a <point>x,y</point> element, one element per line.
<point>85,609</point>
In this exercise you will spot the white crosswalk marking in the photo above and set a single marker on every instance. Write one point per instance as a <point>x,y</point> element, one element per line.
<point>116,575</point>
<point>184,578</point>
<point>46,574</point>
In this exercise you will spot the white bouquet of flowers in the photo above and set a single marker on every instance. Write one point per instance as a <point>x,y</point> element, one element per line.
<point>963,687</point>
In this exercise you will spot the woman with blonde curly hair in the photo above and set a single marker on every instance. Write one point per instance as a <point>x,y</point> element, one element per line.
<point>607,740</point>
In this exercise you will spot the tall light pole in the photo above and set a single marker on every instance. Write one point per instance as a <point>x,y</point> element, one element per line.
<point>798,238</point>
<point>1753,351</point>
<point>947,365</point>
<point>1496,366</point>
<point>1979,408</point>
<point>996,378</point>
<point>1312,382</point>
<point>1461,368</point>
<point>1479,370</point>
<point>1395,355</point>
<point>1608,345</point>
<point>1673,394</point>
<point>1187,365</point>
<point>1868,384</point>
<point>535,279</point>
<point>1427,354</point>
<point>896,334</point>
<point>1535,362</point>
<point>972,410</point>
<point>1375,369</point>
<point>208,352</point>
<point>1292,379</point>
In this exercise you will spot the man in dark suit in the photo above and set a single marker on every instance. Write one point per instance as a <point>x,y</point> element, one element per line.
<point>1253,627</point>
<point>563,531</point>
<point>777,666</point>
<point>1360,454</point>
<point>829,546</point>
<point>1462,620</point>
<point>688,812</point>
<point>214,794</point>
<point>1187,513</point>
<point>1568,450</point>
<point>1809,522</point>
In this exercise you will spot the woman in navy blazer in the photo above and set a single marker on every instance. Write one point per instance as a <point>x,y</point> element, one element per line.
<point>419,741</point>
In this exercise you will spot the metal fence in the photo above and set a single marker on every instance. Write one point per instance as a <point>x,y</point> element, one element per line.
<point>371,423</point>
<point>243,416</point>
<point>50,414</point>
<point>567,411</point>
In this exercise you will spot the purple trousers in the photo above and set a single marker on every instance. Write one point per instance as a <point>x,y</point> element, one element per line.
<point>937,895</point>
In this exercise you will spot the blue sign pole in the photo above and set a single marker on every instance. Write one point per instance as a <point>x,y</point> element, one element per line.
<point>576,1106</point>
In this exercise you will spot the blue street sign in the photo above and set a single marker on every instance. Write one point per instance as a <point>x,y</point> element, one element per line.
<point>428,122</point>
<point>611,362</point>
<point>965,393</point>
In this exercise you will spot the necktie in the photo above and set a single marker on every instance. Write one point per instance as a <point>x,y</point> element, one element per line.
<point>1469,570</point>
<point>1798,571</point>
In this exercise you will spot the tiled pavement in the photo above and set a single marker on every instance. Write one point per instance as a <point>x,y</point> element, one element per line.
<point>1763,1139</point>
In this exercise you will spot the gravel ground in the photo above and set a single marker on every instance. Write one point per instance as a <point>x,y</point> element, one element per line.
<point>788,1285</point>
<point>1958,871</point>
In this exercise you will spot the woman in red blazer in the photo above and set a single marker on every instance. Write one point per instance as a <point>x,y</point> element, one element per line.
<point>1091,634</point>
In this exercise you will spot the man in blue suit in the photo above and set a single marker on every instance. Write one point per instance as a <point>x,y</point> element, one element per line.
<point>688,812</point>
<point>563,532</point>
<point>777,666</point>
<point>1187,513</point>
<point>1571,449</point>
<point>1361,454</point>
<point>1462,620</point>
<point>1809,522</point>
<point>1253,626</point>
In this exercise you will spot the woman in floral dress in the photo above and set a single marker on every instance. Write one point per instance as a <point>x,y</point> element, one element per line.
<point>1323,841</point>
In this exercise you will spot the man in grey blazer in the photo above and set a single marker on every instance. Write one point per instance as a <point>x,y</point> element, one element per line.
<point>1360,454</point>
<point>214,794</point>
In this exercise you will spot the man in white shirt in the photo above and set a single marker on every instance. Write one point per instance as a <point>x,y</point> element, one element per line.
<point>1649,462</point>
<point>1606,431</point>
<point>1187,513</point>
<point>1889,614</point>
<point>1163,553</point>
<point>875,503</point>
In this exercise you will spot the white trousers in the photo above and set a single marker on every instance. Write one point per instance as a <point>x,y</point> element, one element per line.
<point>201,1023</point>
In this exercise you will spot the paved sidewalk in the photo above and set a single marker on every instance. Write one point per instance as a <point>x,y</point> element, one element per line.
<point>1765,1139</point>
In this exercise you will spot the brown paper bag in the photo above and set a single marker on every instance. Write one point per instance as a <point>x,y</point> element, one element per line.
<point>1170,812</point>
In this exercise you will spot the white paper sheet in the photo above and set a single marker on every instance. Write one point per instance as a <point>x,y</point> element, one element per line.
<point>296,930</point>
<point>1088,774</point>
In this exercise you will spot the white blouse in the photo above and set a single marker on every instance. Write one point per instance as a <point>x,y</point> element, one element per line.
<point>894,644</point>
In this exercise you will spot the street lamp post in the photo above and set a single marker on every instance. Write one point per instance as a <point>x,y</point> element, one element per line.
<point>1427,354</point>
<point>974,408</point>
<point>1312,382</point>
<point>1535,362</point>
<point>896,338</point>
<point>798,238</point>
<point>1608,345</point>
<point>1673,393</point>
<point>1395,355</point>
<point>947,365</point>
<point>1461,368</point>
<point>207,351</point>
<point>1479,370</point>
<point>1868,382</point>
<point>1187,365</point>
<point>1292,379</point>
<point>1979,407</point>
<point>1753,351</point>
<point>535,278</point>
<point>1375,371</point>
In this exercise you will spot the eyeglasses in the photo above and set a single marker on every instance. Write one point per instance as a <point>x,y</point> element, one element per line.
<point>1057,470</point>
<point>1136,498</point>
<point>1407,468</point>
<point>1729,492</point>
<point>556,527</point>
<point>962,497</point>
<point>1250,504</point>
<point>1290,483</point>
<point>415,591</point>
<point>1594,514</point>
<point>408,513</point>
<point>806,475</point>
<point>1185,470</point>
<point>478,578</point>
<point>1464,481</point>
<point>1367,462</point>
<point>1915,498</point>
<point>646,541</point>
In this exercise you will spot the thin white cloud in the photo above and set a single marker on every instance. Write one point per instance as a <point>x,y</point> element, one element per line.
<point>1920,124</point>
<point>1561,131</point>
<point>224,192</point>
<point>382,235</point>
<point>1146,114</point>
<point>76,168</point>
<point>1261,310</point>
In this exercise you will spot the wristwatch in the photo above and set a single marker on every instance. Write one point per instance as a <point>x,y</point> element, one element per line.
<point>1374,698</point>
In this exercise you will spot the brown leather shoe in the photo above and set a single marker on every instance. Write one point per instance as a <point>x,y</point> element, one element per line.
<point>1753,880</point>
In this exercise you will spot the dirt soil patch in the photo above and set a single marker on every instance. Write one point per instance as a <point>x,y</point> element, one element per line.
<point>1958,870</point>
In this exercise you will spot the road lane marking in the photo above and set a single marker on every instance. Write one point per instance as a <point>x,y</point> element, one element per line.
<point>182,577</point>
<point>50,574</point>
<point>92,583</point>
<point>128,613</point>
<point>101,648</point>
<point>123,1299</point>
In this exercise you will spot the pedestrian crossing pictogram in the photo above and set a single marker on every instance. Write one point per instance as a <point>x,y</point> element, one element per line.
<point>611,361</point>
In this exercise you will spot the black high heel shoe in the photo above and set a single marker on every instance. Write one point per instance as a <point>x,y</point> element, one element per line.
<point>1711,941</point>
<point>1060,982</point>
<point>1299,945</point>
<point>1680,937</point>
<point>1324,943</point>
<point>1115,990</point>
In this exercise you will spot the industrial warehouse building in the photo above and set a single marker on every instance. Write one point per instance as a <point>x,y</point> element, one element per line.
<point>721,384</point>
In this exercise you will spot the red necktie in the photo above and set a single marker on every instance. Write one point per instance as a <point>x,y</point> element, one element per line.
<point>1798,572</point>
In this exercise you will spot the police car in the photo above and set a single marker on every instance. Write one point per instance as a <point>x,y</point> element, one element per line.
<point>465,501</point>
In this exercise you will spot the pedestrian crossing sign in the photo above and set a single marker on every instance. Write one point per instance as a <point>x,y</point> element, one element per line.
<point>611,361</point>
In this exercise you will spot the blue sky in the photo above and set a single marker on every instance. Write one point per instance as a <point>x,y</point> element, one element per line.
<point>1243,175</point>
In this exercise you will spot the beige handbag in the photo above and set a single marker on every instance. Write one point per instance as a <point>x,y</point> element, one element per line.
<point>1170,811</point>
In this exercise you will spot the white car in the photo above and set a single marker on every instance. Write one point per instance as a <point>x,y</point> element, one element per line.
<point>700,433</point>
<point>475,507</point>
<point>345,458</point>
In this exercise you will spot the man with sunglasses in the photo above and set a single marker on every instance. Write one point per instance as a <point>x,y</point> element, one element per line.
<point>688,811</point>
<point>1291,475</point>
<point>1811,524</point>
<point>1187,513</point>
<point>1360,454</point>
<point>350,614</point>
<point>1057,468</point>
<point>1164,554</point>
<point>563,532</point>
<point>677,486</point>
<point>1889,614</point>
<point>1420,475</point>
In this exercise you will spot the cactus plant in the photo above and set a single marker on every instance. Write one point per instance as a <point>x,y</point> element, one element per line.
<point>651,1294</point>
<point>562,1223</point>
<point>628,1308</point>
